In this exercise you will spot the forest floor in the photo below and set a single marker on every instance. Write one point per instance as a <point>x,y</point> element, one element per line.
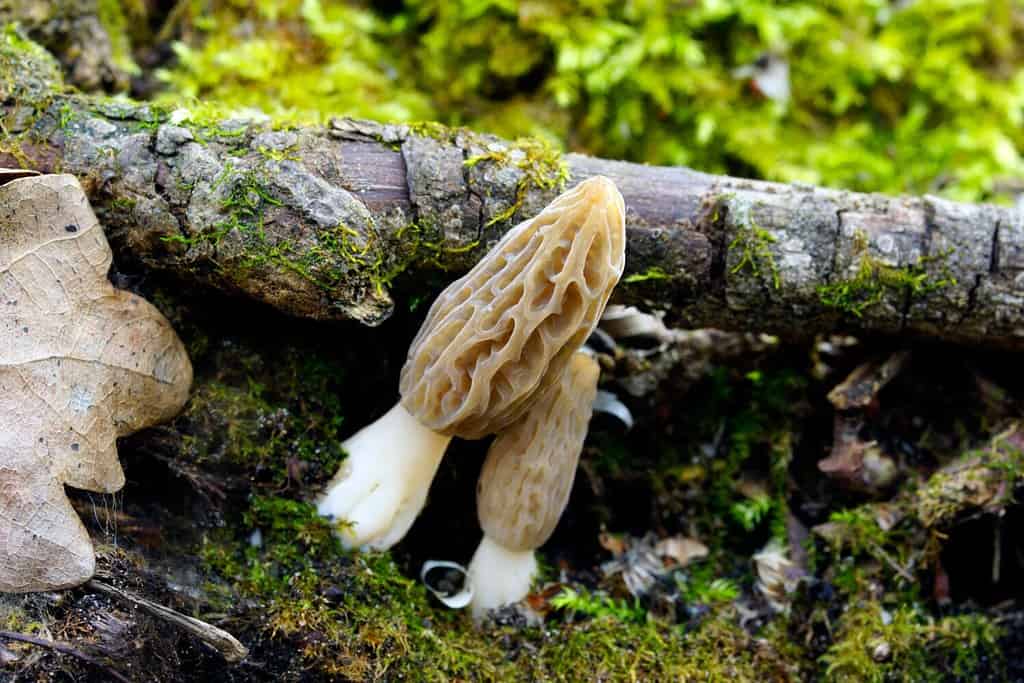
<point>904,565</point>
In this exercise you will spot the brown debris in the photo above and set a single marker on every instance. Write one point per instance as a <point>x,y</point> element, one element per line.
<point>859,464</point>
<point>82,364</point>
<point>862,385</point>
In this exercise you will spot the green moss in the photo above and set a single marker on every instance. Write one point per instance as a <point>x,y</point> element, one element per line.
<point>357,616</point>
<point>113,16</point>
<point>700,586</point>
<point>339,257</point>
<point>753,243</point>
<point>875,282</point>
<point>432,130</point>
<point>274,426</point>
<point>540,164</point>
<point>28,73</point>
<point>653,273</point>
<point>600,606</point>
<point>980,479</point>
<point>301,59</point>
<point>759,428</point>
<point>287,154</point>
<point>123,203</point>
<point>870,110</point>
<point>29,80</point>
<point>876,645</point>
<point>14,617</point>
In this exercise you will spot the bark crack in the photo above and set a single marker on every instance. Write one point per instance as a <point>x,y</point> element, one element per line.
<point>833,266</point>
<point>472,194</point>
<point>993,259</point>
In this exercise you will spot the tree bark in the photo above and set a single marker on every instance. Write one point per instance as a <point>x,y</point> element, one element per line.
<point>322,221</point>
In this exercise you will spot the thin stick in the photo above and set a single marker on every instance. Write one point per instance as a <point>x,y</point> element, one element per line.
<point>223,642</point>
<point>63,648</point>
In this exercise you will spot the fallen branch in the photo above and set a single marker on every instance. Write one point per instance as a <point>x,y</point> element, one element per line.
<point>223,642</point>
<point>322,221</point>
<point>66,649</point>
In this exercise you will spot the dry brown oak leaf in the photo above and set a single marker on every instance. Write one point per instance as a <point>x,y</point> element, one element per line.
<point>81,363</point>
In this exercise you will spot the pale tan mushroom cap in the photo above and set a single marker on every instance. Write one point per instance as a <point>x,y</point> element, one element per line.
<point>530,467</point>
<point>509,326</point>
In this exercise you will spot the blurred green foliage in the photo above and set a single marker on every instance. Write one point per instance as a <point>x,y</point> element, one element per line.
<point>910,96</point>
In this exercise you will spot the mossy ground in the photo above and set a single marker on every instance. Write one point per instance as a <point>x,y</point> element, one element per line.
<point>228,486</point>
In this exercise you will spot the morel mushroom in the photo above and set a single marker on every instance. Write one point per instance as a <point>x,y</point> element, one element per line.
<point>489,343</point>
<point>525,484</point>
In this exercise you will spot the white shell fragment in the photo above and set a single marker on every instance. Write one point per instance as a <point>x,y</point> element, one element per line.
<point>607,402</point>
<point>638,563</point>
<point>777,575</point>
<point>681,550</point>
<point>448,581</point>
<point>629,321</point>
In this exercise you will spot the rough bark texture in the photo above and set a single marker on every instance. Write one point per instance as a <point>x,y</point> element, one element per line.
<point>74,31</point>
<point>319,221</point>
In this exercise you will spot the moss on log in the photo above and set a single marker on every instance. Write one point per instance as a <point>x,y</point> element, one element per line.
<point>320,222</point>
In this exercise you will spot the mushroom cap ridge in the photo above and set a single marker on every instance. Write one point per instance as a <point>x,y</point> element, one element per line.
<point>509,327</point>
<point>527,477</point>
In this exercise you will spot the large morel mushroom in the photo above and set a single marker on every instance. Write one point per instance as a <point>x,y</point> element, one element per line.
<point>491,341</point>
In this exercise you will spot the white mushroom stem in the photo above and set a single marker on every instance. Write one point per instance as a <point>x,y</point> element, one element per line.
<point>499,576</point>
<point>382,485</point>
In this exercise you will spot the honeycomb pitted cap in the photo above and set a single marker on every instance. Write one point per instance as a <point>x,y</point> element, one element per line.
<point>527,477</point>
<point>509,327</point>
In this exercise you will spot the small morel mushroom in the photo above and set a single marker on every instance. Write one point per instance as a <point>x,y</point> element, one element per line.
<point>490,342</point>
<point>525,484</point>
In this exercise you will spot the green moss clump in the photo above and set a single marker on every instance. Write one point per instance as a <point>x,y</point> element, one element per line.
<point>981,479</point>
<point>275,426</point>
<point>863,553</point>
<point>14,617</point>
<point>27,71</point>
<point>870,109</point>
<point>876,281</point>
<point>874,645</point>
<point>651,274</point>
<point>302,59</point>
<point>359,617</point>
<point>752,242</point>
<point>540,163</point>
<point>760,429</point>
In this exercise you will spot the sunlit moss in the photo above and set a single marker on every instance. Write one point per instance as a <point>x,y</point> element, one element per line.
<point>872,108</point>
<point>875,645</point>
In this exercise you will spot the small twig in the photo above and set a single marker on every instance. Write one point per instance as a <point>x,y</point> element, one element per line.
<point>997,551</point>
<point>226,644</point>
<point>63,648</point>
<point>205,486</point>
<point>902,571</point>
